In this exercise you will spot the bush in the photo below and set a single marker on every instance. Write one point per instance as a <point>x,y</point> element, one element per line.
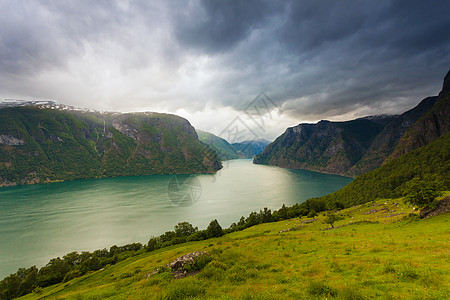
<point>318,288</point>
<point>198,264</point>
<point>38,290</point>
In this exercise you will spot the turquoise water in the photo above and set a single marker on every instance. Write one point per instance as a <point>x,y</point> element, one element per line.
<point>39,222</point>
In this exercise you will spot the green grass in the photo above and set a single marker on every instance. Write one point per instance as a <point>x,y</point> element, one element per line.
<point>378,257</point>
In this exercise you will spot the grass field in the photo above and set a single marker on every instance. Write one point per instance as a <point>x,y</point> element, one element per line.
<point>379,255</point>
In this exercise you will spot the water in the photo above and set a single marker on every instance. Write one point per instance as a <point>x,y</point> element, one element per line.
<point>39,222</point>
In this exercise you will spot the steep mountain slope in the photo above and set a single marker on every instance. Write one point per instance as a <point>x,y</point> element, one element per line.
<point>331,147</point>
<point>39,144</point>
<point>432,125</point>
<point>359,146</point>
<point>430,162</point>
<point>224,149</point>
<point>386,141</point>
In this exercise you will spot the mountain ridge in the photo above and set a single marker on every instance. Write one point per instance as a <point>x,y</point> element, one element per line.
<point>354,147</point>
<point>432,125</point>
<point>223,148</point>
<point>40,144</point>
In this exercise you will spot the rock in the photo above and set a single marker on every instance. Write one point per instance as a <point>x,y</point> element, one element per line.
<point>442,206</point>
<point>177,265</point>
<point>10,140</point>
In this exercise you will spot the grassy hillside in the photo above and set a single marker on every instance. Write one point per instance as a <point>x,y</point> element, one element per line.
<point>381,251</point>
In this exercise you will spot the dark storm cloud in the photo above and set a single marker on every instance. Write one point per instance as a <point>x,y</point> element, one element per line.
<point>339,54</point>
<point>316,59</point>
<point>216,26</point>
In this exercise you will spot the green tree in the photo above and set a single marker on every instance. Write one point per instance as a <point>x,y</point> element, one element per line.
<point>331,218</point>
<point>421,192</point>
<point>152,243</point>
<point>184,229</point>
<point>214,229</point>
<point>312,213</point>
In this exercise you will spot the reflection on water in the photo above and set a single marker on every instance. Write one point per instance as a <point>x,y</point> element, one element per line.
<point>39,222</point>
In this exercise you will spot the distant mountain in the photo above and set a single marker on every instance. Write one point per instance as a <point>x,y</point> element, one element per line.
<point>48,142</point>
<point>250,149</point>
<point>224,149</point>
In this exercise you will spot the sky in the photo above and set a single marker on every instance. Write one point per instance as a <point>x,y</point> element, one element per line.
<point>260,66</point>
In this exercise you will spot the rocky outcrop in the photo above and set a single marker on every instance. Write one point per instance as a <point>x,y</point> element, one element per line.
<point>180,266</point>
<point>443,206</point>
<point>10,140</point>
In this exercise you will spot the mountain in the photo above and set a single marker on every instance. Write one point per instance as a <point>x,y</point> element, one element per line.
<point>330,147</point>
<point>224,149</point>
<point>430,162</point>
<point>355,147</point>
<point>386,141</point>
<point>44,143</point>
<point>433,124</point>
<point>250,149</point>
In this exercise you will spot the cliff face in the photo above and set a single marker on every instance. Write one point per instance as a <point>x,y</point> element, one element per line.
<point>433,124</point>
<point>42,145</point>
<point>331,147</point>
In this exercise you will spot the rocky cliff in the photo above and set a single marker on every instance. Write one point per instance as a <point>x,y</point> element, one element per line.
<point>41,144</point>
<point>331,147</point>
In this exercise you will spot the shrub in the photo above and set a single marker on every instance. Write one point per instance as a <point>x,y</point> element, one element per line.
<point>318,288</point>
<point>198,264</point>
<point>312,213</point>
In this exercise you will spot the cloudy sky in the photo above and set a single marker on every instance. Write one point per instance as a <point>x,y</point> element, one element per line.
<point>208,60</point>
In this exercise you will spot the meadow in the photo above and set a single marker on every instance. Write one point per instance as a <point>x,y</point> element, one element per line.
<point>378,250</point>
